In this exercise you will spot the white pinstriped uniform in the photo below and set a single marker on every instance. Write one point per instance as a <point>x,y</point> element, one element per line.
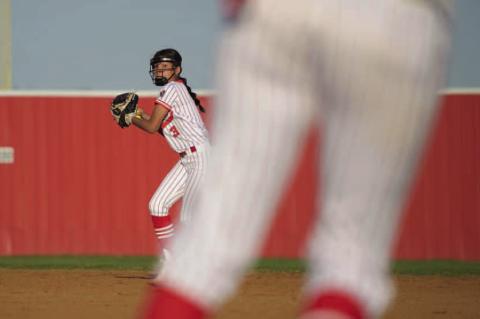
<point>367,72</point>
<point>183,128</point>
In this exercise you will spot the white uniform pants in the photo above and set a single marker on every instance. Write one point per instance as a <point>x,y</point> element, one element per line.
<point>182,180</point>
<point>367,72</point>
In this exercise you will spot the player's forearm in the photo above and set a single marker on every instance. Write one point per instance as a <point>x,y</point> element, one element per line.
<point>144,115</point>
<point>145,122</point>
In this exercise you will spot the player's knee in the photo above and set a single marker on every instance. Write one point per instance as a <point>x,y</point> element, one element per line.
<point>158,208</point>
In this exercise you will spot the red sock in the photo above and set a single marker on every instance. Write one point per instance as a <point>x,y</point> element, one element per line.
<point>163,228</point>
<point>336,301</point>
<point>163,303</point>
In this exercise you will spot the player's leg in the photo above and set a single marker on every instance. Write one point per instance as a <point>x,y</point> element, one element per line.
<point>168,192</point>
<point>383,82</point>
<point>264,110</point>
<point>195,165</point>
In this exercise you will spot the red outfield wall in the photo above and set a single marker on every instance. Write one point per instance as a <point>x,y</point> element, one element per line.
<point>80,185</point>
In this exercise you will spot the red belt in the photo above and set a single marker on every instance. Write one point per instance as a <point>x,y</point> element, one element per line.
<point>193,149</point>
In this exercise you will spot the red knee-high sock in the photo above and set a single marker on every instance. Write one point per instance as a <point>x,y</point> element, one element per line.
<point>163,228</point>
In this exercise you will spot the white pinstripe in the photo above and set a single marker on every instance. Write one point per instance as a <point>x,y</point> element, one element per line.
<point>195,165</point>
<point>169,191</point>
<point>376,84</point>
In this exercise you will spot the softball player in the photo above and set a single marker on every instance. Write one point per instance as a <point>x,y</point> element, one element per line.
<point>366,72</point>
<point>176,116</point>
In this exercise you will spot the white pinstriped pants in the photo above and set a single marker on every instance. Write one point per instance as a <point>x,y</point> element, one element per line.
<point>367,72</point>
<point>182,180</point>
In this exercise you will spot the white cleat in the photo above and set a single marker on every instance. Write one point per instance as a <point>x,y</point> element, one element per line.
<point>166,255</point>
<point>159,265</point>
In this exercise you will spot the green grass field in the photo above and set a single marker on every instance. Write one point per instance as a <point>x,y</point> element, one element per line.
<point>434,267</point>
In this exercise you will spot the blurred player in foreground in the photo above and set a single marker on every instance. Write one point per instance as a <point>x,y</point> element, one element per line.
<point>367,72</point>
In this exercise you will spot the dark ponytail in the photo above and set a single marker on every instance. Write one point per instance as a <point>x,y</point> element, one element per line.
<point>193,95</point>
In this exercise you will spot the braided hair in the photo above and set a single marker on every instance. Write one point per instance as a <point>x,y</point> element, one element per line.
<point>193,95</point>
<point>172,55</point>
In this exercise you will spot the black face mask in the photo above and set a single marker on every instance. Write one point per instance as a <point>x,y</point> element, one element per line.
<point>161,81</point>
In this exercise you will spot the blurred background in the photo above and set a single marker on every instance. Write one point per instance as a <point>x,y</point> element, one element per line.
<point>107,44</point>
<point>65,166</point>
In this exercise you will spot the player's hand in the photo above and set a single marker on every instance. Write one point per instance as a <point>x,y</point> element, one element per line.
<point>124,108</point>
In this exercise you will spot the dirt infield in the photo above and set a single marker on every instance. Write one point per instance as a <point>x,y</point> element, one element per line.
<point>76,294</point>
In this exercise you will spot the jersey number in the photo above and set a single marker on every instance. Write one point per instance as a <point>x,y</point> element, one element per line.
<point>174,131</point>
